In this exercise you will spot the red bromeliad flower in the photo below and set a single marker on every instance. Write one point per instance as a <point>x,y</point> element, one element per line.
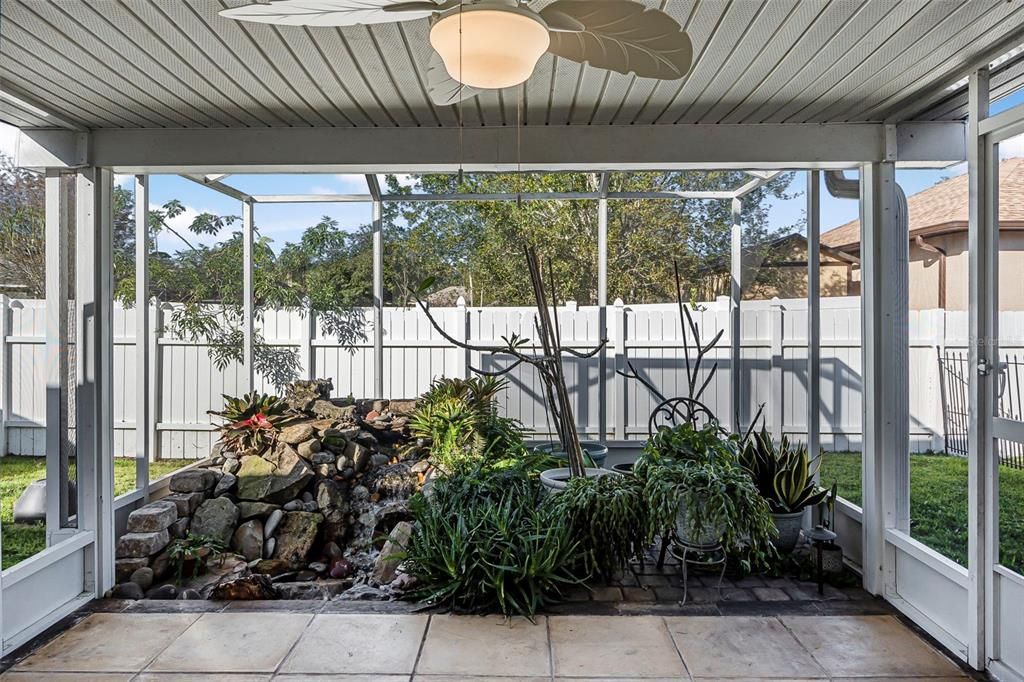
<point>259,421</point>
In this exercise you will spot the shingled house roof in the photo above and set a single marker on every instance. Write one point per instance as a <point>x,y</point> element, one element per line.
<point>943,208</point>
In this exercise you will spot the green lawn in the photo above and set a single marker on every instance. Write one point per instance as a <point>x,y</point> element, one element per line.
<point>938,502</point>
<point>22,540</point>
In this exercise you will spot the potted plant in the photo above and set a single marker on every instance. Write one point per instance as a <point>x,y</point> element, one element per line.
<point>785,476</point>
<point>189,555</point>
<point>694,483</point>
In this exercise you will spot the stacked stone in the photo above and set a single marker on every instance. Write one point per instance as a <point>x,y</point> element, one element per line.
<point>305,513</point>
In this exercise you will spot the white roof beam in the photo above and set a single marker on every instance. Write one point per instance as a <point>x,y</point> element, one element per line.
<point>553,148</point>
<point>226,190</point>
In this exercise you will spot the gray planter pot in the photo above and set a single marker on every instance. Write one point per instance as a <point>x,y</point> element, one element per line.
<point>597,452</point>
<point>555,480</point>
<point>710,536</point>
<point>789,527</point>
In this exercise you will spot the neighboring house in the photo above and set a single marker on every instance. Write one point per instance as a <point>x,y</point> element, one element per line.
<point>779,269</point>
<point>938,242</point>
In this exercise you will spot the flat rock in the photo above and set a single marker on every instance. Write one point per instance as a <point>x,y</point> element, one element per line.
<point>317,589</point>
<point>246,588</point>
<point>296,535</point>
<point>296,433</point>
<point>248,539</point>
<point>153,517</point>
<point>215,518</point>
<point>224,485</point>
<point>391,555</point>
<point>277,478</point>
<point>179,528</point>
<point>193,481</point>
<point>325,409</point>
<point>271,567</point>
<point>187,503</point>
<point>308,448</point>
<point>142,544</point>
<point>124,568</point>
<point>253,510</point>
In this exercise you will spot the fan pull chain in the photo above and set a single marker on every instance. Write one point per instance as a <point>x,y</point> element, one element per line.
<point>462,121</point>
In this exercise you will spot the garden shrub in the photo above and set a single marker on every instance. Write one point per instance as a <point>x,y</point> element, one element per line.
<point>484,541</point>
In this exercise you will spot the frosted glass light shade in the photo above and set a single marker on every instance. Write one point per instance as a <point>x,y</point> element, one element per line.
<point>496,49</point>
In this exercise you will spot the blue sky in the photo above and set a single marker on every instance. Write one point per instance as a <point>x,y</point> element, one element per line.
<point>286,222</point>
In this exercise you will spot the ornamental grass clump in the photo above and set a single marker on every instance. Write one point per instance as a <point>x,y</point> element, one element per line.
<point>693,482</point>
<point>485,542</point>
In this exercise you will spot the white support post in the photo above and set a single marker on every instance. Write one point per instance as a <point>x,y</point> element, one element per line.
<point>94,353</point>
<point>982,471</point>
<point>5,374</point>
<point>143,445</point>
<point>602,310</point>
<point>307,333</point>
<point>156,317</point>
<point>56,356</point>
<point>885,361</point>
<point>460,330</point>
<point>248,296</point>
<point>813,316</point>
<point>776,407</point>
<point>378,300</point>
<point>735,324</point>
<point>618,397</point>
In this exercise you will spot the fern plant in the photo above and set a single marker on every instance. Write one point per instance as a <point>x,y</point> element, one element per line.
<point>253,421</point>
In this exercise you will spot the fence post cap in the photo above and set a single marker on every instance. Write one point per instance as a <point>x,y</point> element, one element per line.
<point>461,302</point>
<point>618,303</point>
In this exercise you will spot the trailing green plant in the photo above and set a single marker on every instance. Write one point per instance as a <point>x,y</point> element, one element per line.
<point>783,473</point>
<point>253,421</point>
<point>693,475</point>
<point>688,442</point>
<point>608,516</point>
<point>485,542</point>
<point>194,548</point>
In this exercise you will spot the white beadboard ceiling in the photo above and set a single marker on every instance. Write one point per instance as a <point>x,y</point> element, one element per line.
<point>176,63</point>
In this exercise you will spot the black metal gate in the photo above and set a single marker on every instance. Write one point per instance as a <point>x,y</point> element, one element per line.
<point>953,385</point>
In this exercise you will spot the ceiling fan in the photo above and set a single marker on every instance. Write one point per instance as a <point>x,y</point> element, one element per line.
<point>490,44</point>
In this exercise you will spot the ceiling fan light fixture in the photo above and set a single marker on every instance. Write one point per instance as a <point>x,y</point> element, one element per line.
<point>487,47</point>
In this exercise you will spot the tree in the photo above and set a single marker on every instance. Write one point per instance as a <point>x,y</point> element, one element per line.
<point>468,243</point>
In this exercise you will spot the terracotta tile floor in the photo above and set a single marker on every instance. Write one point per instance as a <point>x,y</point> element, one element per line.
<point>244,646</point>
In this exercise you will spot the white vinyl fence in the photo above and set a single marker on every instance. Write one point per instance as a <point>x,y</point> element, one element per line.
<point>773,367</point>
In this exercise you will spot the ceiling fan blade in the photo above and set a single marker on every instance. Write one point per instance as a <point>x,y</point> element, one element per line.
<point>443,89</point>
<point>421,6</point>
<point>560,21</point>
<point>327,12</point>
<point>620,35</point>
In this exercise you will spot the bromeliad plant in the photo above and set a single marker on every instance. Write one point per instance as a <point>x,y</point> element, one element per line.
<point>253,421</point>
<point>783,473</point>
